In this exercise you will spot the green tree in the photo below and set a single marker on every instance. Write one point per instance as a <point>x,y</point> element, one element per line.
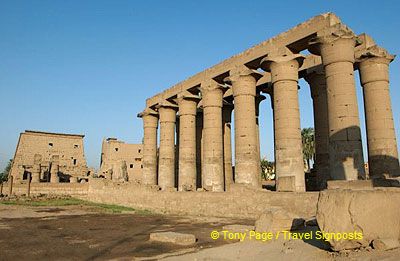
<point>4,174</point>
<point>308,140</point>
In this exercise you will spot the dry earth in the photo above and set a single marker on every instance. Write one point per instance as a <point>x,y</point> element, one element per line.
<point>85,233</point>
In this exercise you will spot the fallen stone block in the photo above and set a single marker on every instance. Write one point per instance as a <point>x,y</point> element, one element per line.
<point>277,219</point>
<point>174,238</point>
<point>385,243</point>
<point>373,214</point>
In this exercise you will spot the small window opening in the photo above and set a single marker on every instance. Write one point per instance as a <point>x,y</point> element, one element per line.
<point>131,166</point>
<point>76,146</point>
<point>74,161</point>
<point>50,144</point>
<point>139,150</point>
<point>116,149</point>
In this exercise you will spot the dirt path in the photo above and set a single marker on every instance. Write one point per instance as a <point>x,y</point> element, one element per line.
<point>79,233</point>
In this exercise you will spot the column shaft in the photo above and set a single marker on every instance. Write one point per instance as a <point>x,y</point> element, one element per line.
<point>228,172</point>
<point>166,164</point>
<point>345,147</point>
<point>383,159</point>
<point>247,163</point>
<point>187,145</point>
<point>317,84</point>
<point>213,175</point>
<point>149,172</point>
<point>289,164</point>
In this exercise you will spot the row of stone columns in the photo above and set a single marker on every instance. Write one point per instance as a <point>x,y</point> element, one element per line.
<point>339,154</point>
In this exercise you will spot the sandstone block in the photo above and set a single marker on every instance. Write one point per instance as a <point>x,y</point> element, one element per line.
<point>385,243</point>
<point>277,219</point>
<point>174,238</point>
<point>374,213</point>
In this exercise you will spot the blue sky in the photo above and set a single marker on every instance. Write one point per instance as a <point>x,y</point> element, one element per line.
<point>88,66</point>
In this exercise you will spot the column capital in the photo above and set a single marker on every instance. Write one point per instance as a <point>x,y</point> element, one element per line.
<point>375,54</point>
<point>335,44</point>
<point>186,95</point>
<point>241,70</point>
<point>330,35</point>
<point>282,66</point>
<point>210,85</point>
<point>166,104</point>
<point>373,65</point>
<point>315,77</point>
<point>146,112</point>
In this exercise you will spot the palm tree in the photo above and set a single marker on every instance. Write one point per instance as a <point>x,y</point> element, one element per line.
<point>5,173</point>
<point>307,138</point>
<point>267,169</point>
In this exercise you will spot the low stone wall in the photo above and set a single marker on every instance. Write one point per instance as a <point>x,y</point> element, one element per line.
<point>238,203</point>
<point>73,189</point>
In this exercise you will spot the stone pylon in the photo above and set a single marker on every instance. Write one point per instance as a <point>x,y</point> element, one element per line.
<point>213,158</point>
<point>150,125</point>
<point>227,119</point>
<point>166,162</point>
<point>316,80</point>
<point>383,158</point>
<point>345,147</point>
<point>289,163</point>
<point>247,158</point>
<point>187,103</point>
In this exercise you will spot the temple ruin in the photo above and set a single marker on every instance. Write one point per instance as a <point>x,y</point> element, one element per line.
<point>49,157</point>
<point>194,117</point>
<point>121,161</point>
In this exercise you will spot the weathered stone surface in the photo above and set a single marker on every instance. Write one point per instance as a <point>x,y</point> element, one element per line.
<point>385,243</point>
<point>374,213</point>
<point>278,219</point>
<point>174,238</point>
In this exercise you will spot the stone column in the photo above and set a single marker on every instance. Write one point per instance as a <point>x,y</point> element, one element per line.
<point>166,162</point>
<point>345,147</point>
<point>199,147</point>
<point>383,158</point>
<point>54,173</point>
<point>227,119</point>
<point>289,162</point>
<point>247,163</point>
<point>150,125</point>
<point>187,145</point>
<point>213,159</point>
<point>36,173</point>
<point>316,80</point>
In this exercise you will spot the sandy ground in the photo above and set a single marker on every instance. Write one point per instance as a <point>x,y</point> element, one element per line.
<point>84,233</point>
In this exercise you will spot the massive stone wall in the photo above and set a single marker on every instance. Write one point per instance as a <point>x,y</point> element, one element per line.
<point>239,202</point>
<point>40,153</point>
<point>116,154</point>
<point>72,189</point>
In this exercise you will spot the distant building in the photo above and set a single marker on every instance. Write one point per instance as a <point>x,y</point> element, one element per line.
<point>49,157</point>
<point>121,161</point>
